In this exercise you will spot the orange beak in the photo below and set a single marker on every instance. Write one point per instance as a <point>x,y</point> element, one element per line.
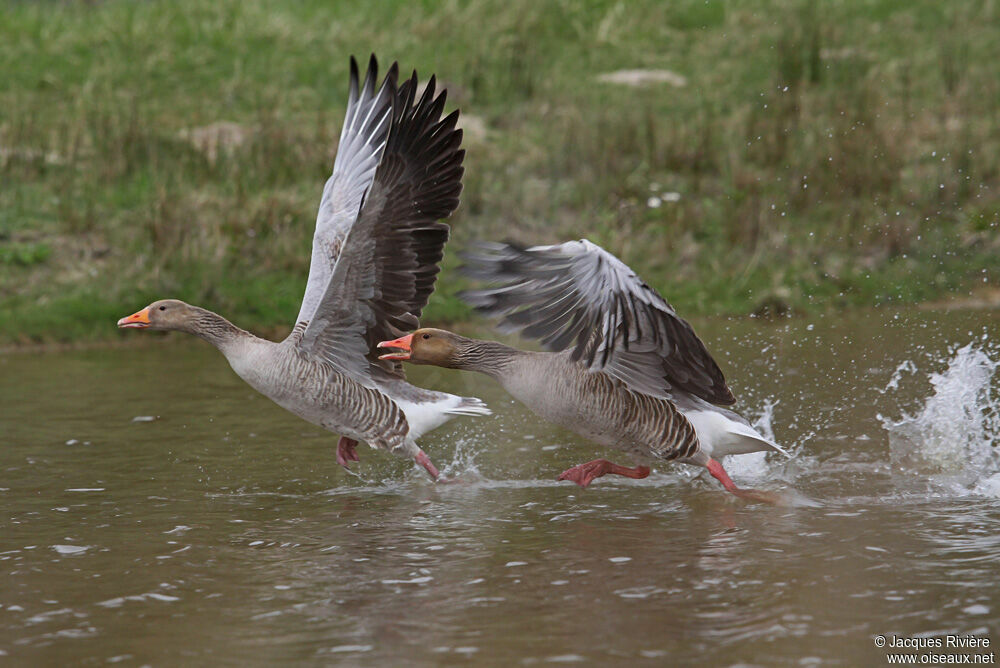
<point>403,343</point>
<point>139,320</point>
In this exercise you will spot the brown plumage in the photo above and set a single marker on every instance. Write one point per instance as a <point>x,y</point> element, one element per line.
<point>646,380</point>
<point>377,243</point>
<point>595,405</point>
<point>577,296</point>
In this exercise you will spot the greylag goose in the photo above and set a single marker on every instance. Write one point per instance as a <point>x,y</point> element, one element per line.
<point>378,240</point>
<point>625,371</point>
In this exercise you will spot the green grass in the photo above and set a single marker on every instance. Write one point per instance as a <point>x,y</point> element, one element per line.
<point>826,155</point>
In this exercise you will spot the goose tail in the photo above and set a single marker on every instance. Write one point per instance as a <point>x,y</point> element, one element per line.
<point>470,406</point>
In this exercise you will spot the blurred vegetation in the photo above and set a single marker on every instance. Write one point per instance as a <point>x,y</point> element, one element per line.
<point>798,155</point>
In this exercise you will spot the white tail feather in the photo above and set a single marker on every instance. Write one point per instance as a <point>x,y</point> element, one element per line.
<point>721,436</point>
<point>470,406</point>
<point>425,416</point>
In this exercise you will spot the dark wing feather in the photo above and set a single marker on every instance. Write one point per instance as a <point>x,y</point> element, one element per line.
<point>578,295</point>
<point>389,260</point>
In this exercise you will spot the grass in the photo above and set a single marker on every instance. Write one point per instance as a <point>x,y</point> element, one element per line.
<point>821,155</point>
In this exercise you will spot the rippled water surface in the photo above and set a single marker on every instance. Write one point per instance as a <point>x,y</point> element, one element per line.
<point>155,510</point>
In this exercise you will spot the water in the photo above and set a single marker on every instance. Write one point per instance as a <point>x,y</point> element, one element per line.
<point>155,510</point>
<point>950,439</point>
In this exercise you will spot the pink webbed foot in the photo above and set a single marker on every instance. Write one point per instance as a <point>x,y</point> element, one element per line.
<point>346,452</point>
<point>759,496</point>
<point>584,474</point>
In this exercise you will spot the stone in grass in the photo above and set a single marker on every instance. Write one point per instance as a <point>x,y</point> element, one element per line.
<point>643,78</point>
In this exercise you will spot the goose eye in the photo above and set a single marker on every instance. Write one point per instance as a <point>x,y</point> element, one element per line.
<point>163,308</point>
<point>426,336</point>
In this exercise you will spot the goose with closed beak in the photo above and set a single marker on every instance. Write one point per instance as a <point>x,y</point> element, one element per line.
<point>623,370</point>
<point>375,255</point>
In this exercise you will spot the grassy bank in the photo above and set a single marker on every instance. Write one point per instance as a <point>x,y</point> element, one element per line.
<point>811,155</point>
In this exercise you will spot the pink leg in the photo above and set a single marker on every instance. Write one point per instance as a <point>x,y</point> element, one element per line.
<point>425,461</point>
<point>719,473</point>
<point>346,452</point>
<point>584,474</point>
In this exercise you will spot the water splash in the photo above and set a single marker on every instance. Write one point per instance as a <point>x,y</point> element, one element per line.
<point>951,437</point>
<point>463,463</point>
<point>763,421</point>
<point>897,376</point>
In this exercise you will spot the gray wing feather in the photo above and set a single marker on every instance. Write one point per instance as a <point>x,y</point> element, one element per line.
<point>579,295</point>
<point>336,331</point>
<point>362,142</point>
<point>388,263</point>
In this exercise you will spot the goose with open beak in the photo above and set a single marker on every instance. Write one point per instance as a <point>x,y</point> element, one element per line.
<point>623,370</point>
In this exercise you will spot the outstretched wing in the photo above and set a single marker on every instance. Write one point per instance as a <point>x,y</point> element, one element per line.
<point>578,294</point>
<point>362,141</point>
<point>388,263</point>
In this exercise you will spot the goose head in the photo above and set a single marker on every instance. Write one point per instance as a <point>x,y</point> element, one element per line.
<point>165,314</point>
<point>427,346</point>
